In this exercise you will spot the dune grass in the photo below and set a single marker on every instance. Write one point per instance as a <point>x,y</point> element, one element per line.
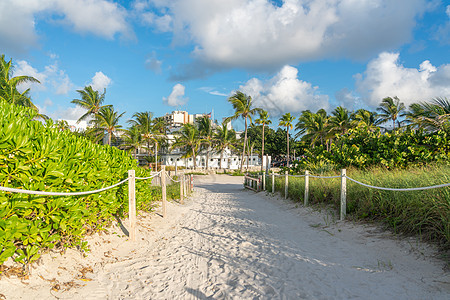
<point>425,213</point>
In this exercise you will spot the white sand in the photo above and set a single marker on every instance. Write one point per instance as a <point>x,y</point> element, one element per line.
<point>229,243</point>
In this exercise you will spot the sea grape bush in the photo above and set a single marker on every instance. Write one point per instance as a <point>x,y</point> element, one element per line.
<point>37,156</point>
<point>361,149</point>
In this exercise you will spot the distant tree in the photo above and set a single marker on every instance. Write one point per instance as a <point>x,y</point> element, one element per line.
<point>243,108</point>
<point>91,101</point>
<point>132,140</point>
<point>340,121</point>
<point>206,130</point>
<point>390,109</point>
<point>431,116</point>
<point>313,127</point>
<point>188,139</point>
<point>365,119</point>
<point>224,139</point>
<point>107,119</point>
<point>286,120</point>
<point>263,120</point>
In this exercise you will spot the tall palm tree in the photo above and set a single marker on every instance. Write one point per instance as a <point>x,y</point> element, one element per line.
<point>205,127</point>
<point>91,100</point>
<point>8,85</point>
<point>243,108</point>
<point>340,121</point>
<point>263,120</point>
<point>313,127</point>
<point>144,123</point>
<point>390,109</point>
<point>133,139</point>
<point>107,120</point>
<point>188,139</point>
<point>365,119</point>
<point>286,121</point>
<point>224,139</point>
<point>432,116</point>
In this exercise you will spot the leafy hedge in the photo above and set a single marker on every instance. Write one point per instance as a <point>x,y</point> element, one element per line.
<point>362,150</point>
<point>37,156</point>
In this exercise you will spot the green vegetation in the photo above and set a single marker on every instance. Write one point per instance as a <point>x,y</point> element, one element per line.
<point>426,213</point>
<point>41,157</point>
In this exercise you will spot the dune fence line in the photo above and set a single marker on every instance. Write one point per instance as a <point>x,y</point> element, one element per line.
<point>186,186</point>
<point>257,184</point>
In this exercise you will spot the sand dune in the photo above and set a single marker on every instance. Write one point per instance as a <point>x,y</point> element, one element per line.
<point>229,243</point>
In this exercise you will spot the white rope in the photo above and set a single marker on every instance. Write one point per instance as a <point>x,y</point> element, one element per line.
<point>315,176</point>
<point>145,178</point>
<point>297,175</point>
<point>20,191</point>
<point>172,178</point>
<point>400,190</point>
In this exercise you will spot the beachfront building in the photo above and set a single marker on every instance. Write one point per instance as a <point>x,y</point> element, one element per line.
<point>176,119</point>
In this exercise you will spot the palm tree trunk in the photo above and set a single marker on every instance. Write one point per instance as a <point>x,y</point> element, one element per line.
<point>109,138</point>
<point>156,156</point>
<point>247,154</point>
<point>221,158</point>
<point>193,155</point>
<point>245,141</point>
<point>287,135</point>
<point>262,151</point>
<point>207,158</point>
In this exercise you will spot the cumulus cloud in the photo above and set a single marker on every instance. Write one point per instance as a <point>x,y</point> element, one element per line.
<point>51,78</point>
<point>285,92</point>
<point>98,17</point>
<point>259,34</point>
<point>100,81</point>
<point>443,32</point>
<point>176,98</point>
<point>386,77</point>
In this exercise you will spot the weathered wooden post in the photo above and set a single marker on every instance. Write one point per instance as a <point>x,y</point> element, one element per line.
<point>132,204</point>
<point>264,180</point>
<point>273,182</point>
<point>163,186</point>
<point>181,190</point>
<point>306,188</point>
<point>286,184</point>
<point>343,194</point>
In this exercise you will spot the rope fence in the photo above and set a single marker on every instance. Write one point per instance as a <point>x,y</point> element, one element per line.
<point>248,183</point>
<point>186,186</point>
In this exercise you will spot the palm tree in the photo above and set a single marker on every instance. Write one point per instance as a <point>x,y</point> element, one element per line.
<point>144,123</point>
<point>242,105</point>
<point>365,119</point>
<point>224,139</point>
<point>8,85</point>
<point>286,121</point>
<point>205,127</point>
<point>106,120</point>
<point>340,122</point>
<point>313,127</point>
<point>132,139</point>
<point>390,109</point>
<point>189,140</point>
<point>91,100</point>
<point>263,120</point>
<point>432,116</point>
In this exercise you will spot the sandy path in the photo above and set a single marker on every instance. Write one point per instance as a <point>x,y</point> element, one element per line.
<point>229,243</point>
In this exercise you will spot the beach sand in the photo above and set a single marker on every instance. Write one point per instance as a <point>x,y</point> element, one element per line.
<point>230,243</point>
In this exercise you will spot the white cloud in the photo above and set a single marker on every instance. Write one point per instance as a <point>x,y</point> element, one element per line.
<point>386,77</point>
<point>51,78</point>
<point>212,91</point>
<point>19,17</point>
<point>259,34</point>
<point>100,81</point>
<point>176,98</point>
<point>285,93</point>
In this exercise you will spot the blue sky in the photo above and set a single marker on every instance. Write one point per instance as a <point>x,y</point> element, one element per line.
<point>292,55</point>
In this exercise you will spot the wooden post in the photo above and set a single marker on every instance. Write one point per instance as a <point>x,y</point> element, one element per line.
<point>192,182</point>
<point>286,184</point>
<point>343,193</point>
<point>163,186</point>
<point>181,190</point>
<point>259,184</point>
<point>306,188</point>
<point>273,182</point>
<point>132,205</point>
<point>264,180</point>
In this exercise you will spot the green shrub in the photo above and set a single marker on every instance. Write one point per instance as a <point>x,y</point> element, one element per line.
<point>40,157</point>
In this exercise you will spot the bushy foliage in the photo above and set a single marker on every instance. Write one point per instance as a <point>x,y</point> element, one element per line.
<point>41,157</point>
<point>363,149</point>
